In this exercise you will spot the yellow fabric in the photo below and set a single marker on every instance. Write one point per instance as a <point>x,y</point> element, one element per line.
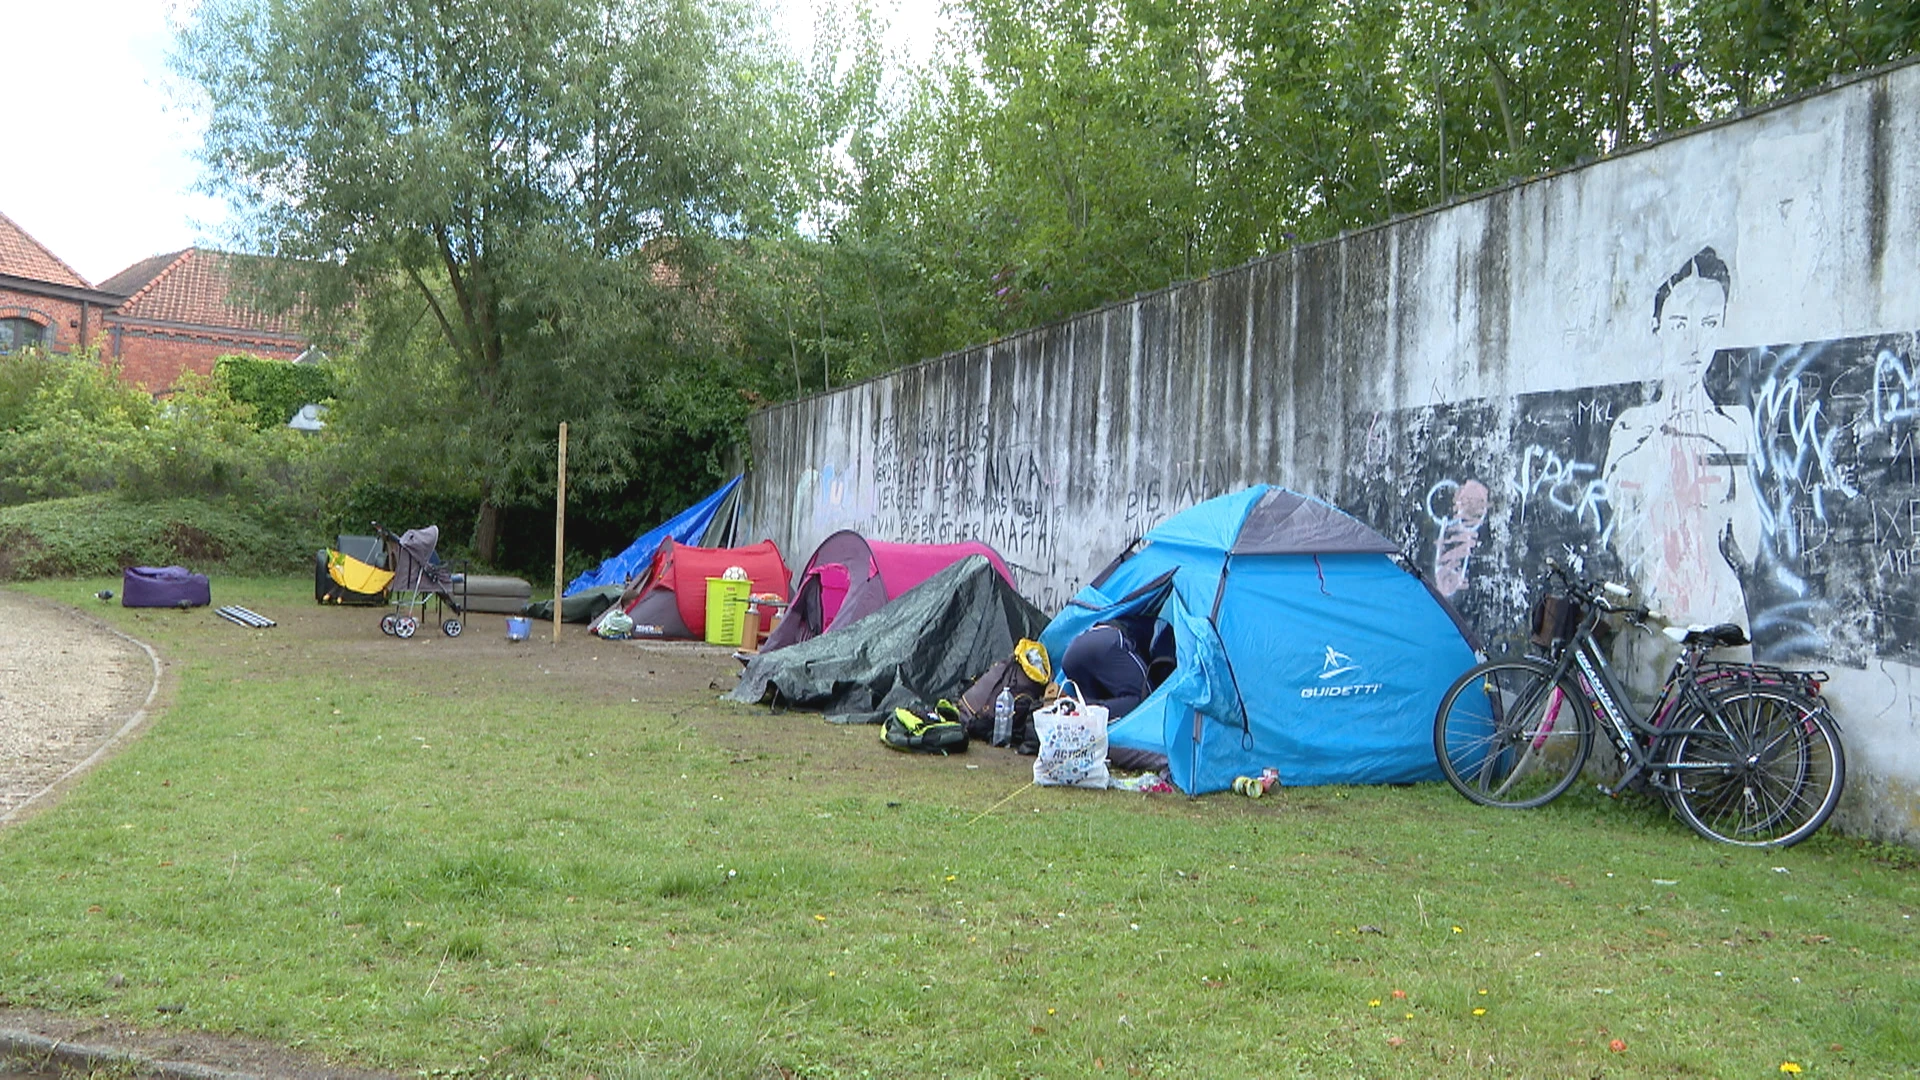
<point>350,573</point>
<point>1033,659</point>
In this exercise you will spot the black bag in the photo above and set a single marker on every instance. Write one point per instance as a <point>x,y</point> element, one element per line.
<point>1030,692</point>
<point>976,704</point>
<point>908,730</point>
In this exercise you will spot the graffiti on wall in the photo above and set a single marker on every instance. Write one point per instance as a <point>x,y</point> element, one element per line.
<point>1775,486</point>
<point>945,475</point>
<point>1835,474</point>
<point>1480,494</point>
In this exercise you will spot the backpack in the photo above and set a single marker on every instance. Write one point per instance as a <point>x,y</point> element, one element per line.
<point>1029,674</point>
<point>941,733</point>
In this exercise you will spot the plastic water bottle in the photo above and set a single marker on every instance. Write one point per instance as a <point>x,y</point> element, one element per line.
<point>1003,717</point>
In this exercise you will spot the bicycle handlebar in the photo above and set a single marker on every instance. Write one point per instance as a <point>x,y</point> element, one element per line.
<point>1602,594</point>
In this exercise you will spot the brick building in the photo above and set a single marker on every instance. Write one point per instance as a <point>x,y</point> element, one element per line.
<point>43,301</point>
<point>157,318</point>
<point>185,310</point>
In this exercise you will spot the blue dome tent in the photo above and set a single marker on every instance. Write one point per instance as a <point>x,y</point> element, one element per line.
<point>1301,645</point>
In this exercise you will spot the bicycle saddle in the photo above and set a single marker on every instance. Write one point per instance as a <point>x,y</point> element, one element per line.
<point>1724,636</point>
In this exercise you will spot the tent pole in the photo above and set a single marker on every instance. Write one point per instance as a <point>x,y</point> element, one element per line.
<point>1213,617</point>
<point>559,532</point>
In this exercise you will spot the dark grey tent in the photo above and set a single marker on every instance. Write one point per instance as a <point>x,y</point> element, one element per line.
<point>931,643</point>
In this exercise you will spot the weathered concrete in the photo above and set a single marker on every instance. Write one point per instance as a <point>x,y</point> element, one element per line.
<point>1488,383</point>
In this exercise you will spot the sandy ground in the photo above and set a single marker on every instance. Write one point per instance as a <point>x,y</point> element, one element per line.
<point>68,686</point>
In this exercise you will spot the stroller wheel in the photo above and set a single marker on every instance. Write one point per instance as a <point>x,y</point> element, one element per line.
<point>405,626</point>
<point>387,624</point>
<point>451,628</point>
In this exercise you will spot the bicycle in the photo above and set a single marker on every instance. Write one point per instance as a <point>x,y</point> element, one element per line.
<point>1745,753</point>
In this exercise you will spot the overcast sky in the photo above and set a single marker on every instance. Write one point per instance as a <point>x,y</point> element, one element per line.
<point>108,174</point>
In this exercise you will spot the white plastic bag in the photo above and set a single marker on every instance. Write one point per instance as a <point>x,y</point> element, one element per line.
<point>1073,744</point>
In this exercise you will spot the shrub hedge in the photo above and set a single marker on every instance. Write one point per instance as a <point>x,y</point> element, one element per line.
<point>92,535</point>
<point>275,389</point>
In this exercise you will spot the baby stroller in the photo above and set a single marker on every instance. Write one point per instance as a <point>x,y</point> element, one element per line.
<point>420,578</point>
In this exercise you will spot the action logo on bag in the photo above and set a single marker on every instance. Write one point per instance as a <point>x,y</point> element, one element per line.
<point>1337,666</point>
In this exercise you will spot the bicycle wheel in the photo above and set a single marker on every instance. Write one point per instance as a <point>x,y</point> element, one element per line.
<point>1766,772</point>
<point>1508,735</point>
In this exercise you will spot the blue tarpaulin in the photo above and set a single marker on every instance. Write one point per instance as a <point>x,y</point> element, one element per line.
<point>686,527</point>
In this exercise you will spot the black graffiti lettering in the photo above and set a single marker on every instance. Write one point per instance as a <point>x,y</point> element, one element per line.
<point>1144,502</point>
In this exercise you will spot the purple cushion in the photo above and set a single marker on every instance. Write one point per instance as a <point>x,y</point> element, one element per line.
<point>164,586</point>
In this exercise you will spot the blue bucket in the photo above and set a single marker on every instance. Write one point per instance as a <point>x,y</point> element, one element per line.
<point>518,628</point>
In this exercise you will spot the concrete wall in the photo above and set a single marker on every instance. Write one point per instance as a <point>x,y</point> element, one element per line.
<point>1487,383</point>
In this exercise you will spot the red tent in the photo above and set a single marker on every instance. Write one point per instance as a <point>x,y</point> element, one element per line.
<point>850,577</point>
<point>669,598</point>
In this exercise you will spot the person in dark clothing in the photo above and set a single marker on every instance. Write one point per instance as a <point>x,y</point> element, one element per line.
<point>1119,662</point>
<point>1105,668</point>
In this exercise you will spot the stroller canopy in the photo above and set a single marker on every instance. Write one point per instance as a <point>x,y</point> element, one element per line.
<point>416,568</point>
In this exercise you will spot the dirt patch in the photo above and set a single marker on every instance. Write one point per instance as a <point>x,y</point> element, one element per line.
<point>68,685</point>
<point>21,553</point>
<point>87,1046</point>
<point>588,668</point>
<point>193,546</point>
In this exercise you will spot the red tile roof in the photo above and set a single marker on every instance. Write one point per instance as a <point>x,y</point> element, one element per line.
<point>24,257</point>
<point>128,281</point>
<point>195,287</point>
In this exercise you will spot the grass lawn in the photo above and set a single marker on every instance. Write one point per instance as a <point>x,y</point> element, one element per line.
<point>470,857</point>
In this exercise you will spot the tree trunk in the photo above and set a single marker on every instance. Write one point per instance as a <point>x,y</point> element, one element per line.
<point>1660,64</point>
<point>1623,72</point>
<point>486,531</point>
<point>1440,113</point>
<point>1502,83</point>
<point>793,344</point>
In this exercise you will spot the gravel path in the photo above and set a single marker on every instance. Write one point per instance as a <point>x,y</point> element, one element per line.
<point>70,686</point>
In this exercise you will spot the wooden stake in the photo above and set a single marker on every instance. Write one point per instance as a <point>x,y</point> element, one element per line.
<point>560,533</point>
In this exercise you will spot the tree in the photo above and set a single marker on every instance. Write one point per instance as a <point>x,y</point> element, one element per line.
<point>1074,152</point>
<point>525,177</point>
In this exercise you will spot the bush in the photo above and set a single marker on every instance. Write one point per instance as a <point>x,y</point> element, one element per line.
<point>401,508</point>
<point>92,535</point>
<point>69,427</point>
<point>273,389</point>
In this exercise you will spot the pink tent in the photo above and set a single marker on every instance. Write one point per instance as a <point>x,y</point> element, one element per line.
<point>850,577</point>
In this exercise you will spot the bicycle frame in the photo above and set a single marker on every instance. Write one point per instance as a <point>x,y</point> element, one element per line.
<point>1745,753</point>
<point>1636,737</point>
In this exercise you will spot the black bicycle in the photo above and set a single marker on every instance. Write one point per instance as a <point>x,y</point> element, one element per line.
<point>1745,753</point>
